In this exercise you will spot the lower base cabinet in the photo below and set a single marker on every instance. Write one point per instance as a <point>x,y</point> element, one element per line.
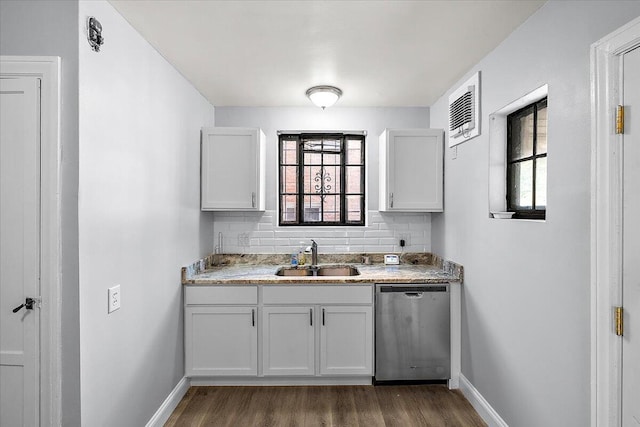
<point>346,340</point>
<point>289,331</point>
<point>288,341</point>
<point>221,341</point>
<point>345,335</point>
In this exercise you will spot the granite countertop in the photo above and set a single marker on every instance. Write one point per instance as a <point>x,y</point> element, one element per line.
<point>260,269</point>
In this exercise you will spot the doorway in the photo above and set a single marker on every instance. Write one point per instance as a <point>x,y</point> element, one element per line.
<point>615,232</point>
<point>631,241</point>
<point>30,241</point>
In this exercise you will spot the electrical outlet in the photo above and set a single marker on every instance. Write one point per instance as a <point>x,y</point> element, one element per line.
<point>113,294</point>
<point>406,238</point>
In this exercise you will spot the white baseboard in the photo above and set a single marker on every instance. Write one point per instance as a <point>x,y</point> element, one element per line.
<point>170,403</point>
<point>279,381</point>
<point>480,404</point>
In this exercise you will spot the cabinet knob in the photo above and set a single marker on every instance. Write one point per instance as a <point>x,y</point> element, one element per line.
<point>391,199</point>
<point>253,200</point>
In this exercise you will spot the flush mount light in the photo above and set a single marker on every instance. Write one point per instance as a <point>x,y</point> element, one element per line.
<point>324,96</point>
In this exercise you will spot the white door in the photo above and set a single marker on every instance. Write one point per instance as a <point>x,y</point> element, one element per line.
<point>631,243</point>
<point>221,341</point>
<point>346,341</point>
<point>288,344</point>
<point>19,251</point>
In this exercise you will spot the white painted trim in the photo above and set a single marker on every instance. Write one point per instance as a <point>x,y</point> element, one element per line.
<point>47,68</point>
<point>455,310</point>
<point>280,381</point>
<point>606,222</point>
<point>170,403</point>
<point>480,404</point>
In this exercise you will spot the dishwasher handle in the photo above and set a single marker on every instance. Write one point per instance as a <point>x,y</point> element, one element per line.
<point>414,294</point>
<point>413,290</point>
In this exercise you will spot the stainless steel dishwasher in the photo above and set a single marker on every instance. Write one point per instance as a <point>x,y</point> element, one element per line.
<point>412,332</point>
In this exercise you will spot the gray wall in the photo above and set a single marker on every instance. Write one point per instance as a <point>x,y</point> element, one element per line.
<point>139,219</point>
<point>46,28</point>
<point>526,297</point>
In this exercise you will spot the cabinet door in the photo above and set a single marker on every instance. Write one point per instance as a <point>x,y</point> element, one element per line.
<point>221,341</point>
<point>413,162</point>
<point>232,169</point>
<point>288,340</point>
<point>346,340</point>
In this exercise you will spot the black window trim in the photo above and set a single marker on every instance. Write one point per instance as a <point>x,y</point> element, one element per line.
<point>520,213</point>
<point>300,137</point>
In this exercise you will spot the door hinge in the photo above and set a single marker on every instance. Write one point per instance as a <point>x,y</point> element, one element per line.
<point>619,319</point>
<point>620,120</point>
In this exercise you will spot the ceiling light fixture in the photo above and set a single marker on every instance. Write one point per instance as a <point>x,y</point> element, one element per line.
<point>324,96</point>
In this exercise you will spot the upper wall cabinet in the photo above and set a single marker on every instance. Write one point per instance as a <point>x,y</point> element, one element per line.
<point>232,169</point>
<point>411,170</point>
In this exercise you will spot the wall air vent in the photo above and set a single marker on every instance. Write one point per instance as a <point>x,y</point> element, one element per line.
<point>464,111</point>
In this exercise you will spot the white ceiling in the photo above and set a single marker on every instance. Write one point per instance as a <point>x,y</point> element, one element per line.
<point>380,53</point>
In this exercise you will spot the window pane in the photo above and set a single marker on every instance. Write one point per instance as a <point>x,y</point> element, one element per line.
<point>289,152</point>
<point>331,179</point>
<point>353,183</point>
<point>312,206</point>
<point>521,184</point>
<point>521,135</point>
<point>331,159</point>
<point>354,152</point>
<point>331,209</point>
<point>288,206</point>
<point>541,136</point>
<point>541,183</point>
<point>313,145</point>
<point>312,158</point>
<point>289,179</point>
<point>309,173</point>
<point>331,145</point>
<point>319,180</point>
<point>354,210</point>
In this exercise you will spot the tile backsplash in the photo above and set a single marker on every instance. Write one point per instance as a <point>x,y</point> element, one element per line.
<point>257,232</point>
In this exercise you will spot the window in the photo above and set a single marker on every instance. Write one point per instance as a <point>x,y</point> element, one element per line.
<point>527,161</point>
<point>321,179</point>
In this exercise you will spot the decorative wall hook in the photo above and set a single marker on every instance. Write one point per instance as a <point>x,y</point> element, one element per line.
<point>94,34</point>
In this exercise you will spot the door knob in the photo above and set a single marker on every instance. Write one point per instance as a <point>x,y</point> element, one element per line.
<point>28,304</point>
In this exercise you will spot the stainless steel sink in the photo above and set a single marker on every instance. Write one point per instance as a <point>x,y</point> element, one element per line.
<point>340,270</point>
<point>293,271</point>
<point>327,270</point>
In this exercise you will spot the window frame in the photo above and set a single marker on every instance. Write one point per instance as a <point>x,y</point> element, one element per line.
<point>533,213</point>
<point>300,139</point>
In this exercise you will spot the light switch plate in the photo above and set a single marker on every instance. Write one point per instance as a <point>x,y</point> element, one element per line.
<point>113,294</point>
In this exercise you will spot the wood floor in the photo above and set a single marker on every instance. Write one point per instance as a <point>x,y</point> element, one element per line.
<point>366,406</point>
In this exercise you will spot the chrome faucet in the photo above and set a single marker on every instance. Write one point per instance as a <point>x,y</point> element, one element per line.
<point>314,252</point>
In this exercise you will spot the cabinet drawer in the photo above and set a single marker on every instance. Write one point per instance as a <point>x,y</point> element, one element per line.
<point>317,294</point>
<point>200,295</point>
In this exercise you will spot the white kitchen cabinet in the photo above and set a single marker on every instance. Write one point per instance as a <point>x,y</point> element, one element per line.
<point>411,170</point>
<point>271,333</point>
<point>346,340</point>
<point>232,169</point>
<point>221,341</point>
<point>288,340</point>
